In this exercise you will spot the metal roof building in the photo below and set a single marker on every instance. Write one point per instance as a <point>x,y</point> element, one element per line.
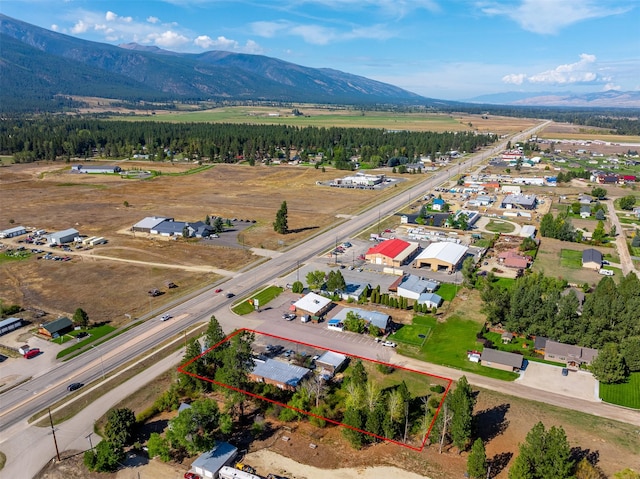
<point>432,300</point>
<point>55,328</point>
<point>331,361</point>
<point>278,373</point>
<point>443,255</point>
<point>145,225</point>
<point>313,303</point>
<point>209,463</point>
<point>15,231</point>
<point>392,252</point>
<point>528,231</point>
<point>62,237</point>
<point>381,320</point>
<point>413,286</point>
<point>9,324</point>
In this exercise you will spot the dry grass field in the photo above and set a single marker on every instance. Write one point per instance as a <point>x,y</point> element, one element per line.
<point>587,133</point>
<point>48,196</point>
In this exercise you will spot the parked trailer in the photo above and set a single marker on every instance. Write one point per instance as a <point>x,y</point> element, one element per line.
<point>86,241</point>
<point>96,241</point>
<point>230,473</point>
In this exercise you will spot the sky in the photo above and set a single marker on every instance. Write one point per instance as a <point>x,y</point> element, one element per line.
<point>446,49</point>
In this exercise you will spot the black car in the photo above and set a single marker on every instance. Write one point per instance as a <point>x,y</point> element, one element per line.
<point>74,386</point>
<point>230,295</point>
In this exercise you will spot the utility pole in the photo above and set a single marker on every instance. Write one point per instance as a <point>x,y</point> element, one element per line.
<point>298,271</point>
<point>89,438</point>
<point>53,431</point>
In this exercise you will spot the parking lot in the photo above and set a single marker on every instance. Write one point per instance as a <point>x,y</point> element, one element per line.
<point>577,384</point>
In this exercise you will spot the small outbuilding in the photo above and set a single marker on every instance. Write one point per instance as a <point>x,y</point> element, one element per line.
<point>331,361</point>
<point>56,328</point>
<point>592,259</point>
<point>209,464</point>
<point>431,300</point>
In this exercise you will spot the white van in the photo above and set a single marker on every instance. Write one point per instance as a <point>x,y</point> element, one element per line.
<point>305,318</point>
<point>606,272</point>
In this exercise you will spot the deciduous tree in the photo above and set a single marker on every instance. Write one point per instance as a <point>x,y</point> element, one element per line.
<point>81,318</point>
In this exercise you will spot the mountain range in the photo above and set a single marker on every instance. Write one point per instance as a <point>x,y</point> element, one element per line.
<point>37,64</point>
<point>40,69</point>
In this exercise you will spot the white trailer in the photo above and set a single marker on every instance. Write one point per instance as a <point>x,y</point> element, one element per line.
<point>86,241</point>
<point>96,241</point>
<point>230,473</point>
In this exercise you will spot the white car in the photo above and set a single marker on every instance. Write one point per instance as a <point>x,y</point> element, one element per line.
<point>165,317</point>
<point>389,344</point>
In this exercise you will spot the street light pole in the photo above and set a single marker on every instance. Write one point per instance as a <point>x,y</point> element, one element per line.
<point>101,361</point>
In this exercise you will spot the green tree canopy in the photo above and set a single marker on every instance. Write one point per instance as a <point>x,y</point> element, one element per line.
<point>120,426</point>
<point>477,461</point>
<point>599,192</point>
<point>81,318</point>
<point>297,287</point>
<point>543,455</point>
<point>627,202</point>
<point>315,279</point>
<point>608,367</point>
<point>281,225</point>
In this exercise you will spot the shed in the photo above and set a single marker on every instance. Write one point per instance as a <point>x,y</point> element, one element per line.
<point>63,237</point>
<point>442,255</point>
<point>313,304</point>
<point>331,361</point>
<point>56,328</point>
<point>438,204</point>
<point>9,324</point>
<point>592,259</point>
<point>528,231</point>
<point>280,374</point>
<point>501,360</point>
<point>506,337</point>
<point>209,463</point>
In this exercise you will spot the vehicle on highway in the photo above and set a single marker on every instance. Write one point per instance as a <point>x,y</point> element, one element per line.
<point>165,317</point>
<point>389,344</point>
<point>230,295</point>
<point>32,353</point>
<point>218,290</point>
<point>74,386</point>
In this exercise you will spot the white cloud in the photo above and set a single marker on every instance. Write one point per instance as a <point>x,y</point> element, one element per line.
<point>550,16</point>
<point>223,43</point>
<point>79,27</point>
<point>167,39</point>
<point>153,20</point>
<point>611,86</point>
<point>318,34</point>
<point>583,71</point>
<point>110,16</point>
<point>55,27</point>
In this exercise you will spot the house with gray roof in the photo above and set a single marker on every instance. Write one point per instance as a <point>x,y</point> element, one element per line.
<point>331,361</point>
<point>501,360</point>
<point>592,259</point>
<point>574,356</point>
<point>432,300</point>
<point>280,374</point>
<point>412,286</point>
<point>354,291</point>
<point>145,225</point>
<point>526,202</point>
<point>56,328</point>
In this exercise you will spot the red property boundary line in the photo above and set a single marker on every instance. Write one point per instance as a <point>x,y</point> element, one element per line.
<point>307,413</point>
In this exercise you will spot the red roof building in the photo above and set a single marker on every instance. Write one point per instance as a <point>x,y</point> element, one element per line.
<point>393,252</point>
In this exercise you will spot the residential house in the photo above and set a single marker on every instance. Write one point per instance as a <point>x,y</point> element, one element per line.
<point>411,286</point>
<point>527,202</point>
<point>209,463</point>
<point>585,211</point>
<point>280,374</point>
<point>592,259</point>
<point>432,300</point>
<point>56,328</point>
<point>574,356</point>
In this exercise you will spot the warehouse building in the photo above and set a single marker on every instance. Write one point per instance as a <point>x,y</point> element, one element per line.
<point>63,237</point>
<point>393,252</point>
<point>442,256</point>
<point>96,169</point>
<point>9,324</point>
<point>12,232</point>
<point>145,225</point>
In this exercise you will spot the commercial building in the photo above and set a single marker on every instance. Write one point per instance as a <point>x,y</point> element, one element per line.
<point>442,256</point>
<point>431,300</point>
<point>106,169</point>
<point>12,232</point>
<point>412,286</point>
<point>280,374</point>
<point>9,324</point>
<point>56,328</point>
<point>63,237</point>
<point>331,361</point>
<point>313,304</point>
<point>393,252</point>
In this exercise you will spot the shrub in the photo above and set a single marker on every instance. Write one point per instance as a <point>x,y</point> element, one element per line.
<point>437,388</point>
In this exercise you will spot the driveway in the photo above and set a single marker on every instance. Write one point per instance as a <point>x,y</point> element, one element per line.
<point>626,264</point>
<point>577,384</point>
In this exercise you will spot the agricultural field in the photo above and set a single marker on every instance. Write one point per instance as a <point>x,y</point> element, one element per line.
<point>46,195</point>
<point>585,133</point>
<point>347,118</point>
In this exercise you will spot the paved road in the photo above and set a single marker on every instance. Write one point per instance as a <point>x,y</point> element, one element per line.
<point>20,403</point>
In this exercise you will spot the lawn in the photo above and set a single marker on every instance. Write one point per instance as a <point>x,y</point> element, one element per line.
<point>263,297</point>
<point>500,227</point>
<point>570,258</point>
<point>448,291</point>
<point>625,394</point>
<point>94,334</point>
<point>505,282</point>
<point>412,334</point>
<point>448,346</point>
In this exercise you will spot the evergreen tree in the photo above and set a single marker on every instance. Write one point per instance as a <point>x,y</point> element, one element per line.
<point>218,225</point>
<point>280,225</point>
<point>477,461</point>
<point>119,426</point>
<point>608,367</point>
<point>461,402</point>
<point>81,318</point>
<point>543,455</point>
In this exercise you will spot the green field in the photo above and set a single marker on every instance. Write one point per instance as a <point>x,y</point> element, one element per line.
<point>263,297</point>
<point>94,334</point>
<point>500,227</point>
<point>625,394</point>
<point>348,119</point>
<point>14,256</point>
<point>570,258</point>
<point>448,346</point>
<point>410,334</point>
<point>448,291</point>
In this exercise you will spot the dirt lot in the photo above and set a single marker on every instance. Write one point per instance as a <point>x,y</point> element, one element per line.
<point>48,196</point>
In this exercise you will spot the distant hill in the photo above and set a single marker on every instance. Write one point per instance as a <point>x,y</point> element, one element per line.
<point>606,99</point>
<point>36,64</point>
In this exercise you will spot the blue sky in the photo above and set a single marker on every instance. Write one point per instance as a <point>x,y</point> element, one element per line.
<point>448,49</point>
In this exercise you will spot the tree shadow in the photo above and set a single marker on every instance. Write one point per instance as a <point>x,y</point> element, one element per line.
<point>578,454</point>
<point>492,422</point>
<point>300,230</point>
<point>145,430</point>
<point>498,463</point>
